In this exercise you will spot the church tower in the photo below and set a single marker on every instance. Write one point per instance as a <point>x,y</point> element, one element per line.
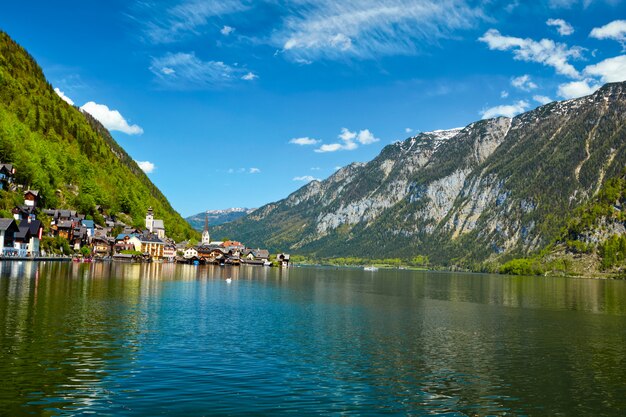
<point>206,239</point>
<point>149,219</point>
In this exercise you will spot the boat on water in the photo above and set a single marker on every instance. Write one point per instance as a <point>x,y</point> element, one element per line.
<point>370,268</point>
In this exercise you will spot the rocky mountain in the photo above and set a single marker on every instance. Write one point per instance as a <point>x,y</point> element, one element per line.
<point>494,189</point>
<point>67,155</point>
<point>217,217</point>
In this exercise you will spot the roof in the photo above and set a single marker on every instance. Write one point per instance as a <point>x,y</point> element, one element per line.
<point>6,167</point>
<point>33,192</point>
<point>65,224</point>
<point>261,253</point>
<point>8,224</point>
<point>22,233</point>
<point>88,224</point>
<point>158,224</point>
<point>33,226</point>
<point>150,239</point>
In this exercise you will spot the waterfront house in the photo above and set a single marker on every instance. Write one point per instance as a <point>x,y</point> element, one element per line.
<point>8,228</point>
<point>210,253</point>
<point>190,253</point>
<point>28,236</point>
<point>123,243</point>
<point>256,254</point>
<point>149,244</point>
<point>283,259</point>
<point>169,252</point>
<point>101,246</point>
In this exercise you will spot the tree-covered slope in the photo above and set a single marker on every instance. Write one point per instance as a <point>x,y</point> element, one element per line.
<point>493,190</point>
<point>66,154</point>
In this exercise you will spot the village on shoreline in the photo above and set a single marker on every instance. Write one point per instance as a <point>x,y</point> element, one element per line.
<point>72,235</point>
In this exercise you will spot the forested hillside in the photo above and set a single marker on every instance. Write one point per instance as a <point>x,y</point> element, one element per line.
<point>66,154</point>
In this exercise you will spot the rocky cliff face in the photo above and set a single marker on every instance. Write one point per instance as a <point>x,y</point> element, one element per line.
<point>499,186</point>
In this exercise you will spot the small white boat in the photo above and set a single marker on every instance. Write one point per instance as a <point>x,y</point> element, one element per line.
<point>370,268</point>
<point>229,280</point>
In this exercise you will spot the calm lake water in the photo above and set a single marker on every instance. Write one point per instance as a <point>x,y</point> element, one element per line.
<point>145,340</point>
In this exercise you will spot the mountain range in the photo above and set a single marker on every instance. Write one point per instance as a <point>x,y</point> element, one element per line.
<point>217,217</point>
<point>491,191</point>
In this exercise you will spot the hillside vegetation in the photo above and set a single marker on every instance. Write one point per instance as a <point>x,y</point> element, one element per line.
<point>66,154</point>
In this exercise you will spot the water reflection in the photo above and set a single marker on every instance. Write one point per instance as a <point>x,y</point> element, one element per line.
<point>146,339</point>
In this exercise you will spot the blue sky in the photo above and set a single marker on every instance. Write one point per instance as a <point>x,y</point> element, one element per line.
<point>237,103</point>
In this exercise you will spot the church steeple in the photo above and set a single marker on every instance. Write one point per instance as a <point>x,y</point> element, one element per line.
<point>206,239</point>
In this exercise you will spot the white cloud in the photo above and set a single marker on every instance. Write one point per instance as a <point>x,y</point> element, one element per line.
<point>227,30</point>
<point>316,169</point>
<point>185,71</point>
<point>504,94</point>
<point>171,24</point>
<point>306,178</point>
<point>408,130</point>
<point>304,141</point>
<point>146,166</point>
<point>509,110</point>
<point>610,70</point>
<point>249,76</point>
<point>333,147</point>
<point>254,170</point>
<point>365,137</point>
<point>564,28</point>
<point>577,89</point>
<point>346,135</point>
<point>63,96</point>
<point>615,30</point>
<point>545,51</point>
<point>542,99</point>
<point>368,29</point>
<point>523,83</point>
<point>349,141</point>
<point>111,119</point>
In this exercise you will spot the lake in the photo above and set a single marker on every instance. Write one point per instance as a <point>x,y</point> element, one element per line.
<point>164,339</point>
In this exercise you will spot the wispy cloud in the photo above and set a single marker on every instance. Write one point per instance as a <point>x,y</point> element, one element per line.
<point>545,51</point>
<point>564,28</point>
<point>252,170</point>
<point>306,178</point>
<point>508,110</point>
<point>304,141</point>
<point>185,71</point>
<point>146,166</point>
<point>523,82</point>
<point>542,99</point>
<point>227,30</point>
<point>250,76</point>
<point>63,96</point>
<point>330,29</point>
<point>111,119</point>
<point>349,141</point>
<point>164,24</point>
